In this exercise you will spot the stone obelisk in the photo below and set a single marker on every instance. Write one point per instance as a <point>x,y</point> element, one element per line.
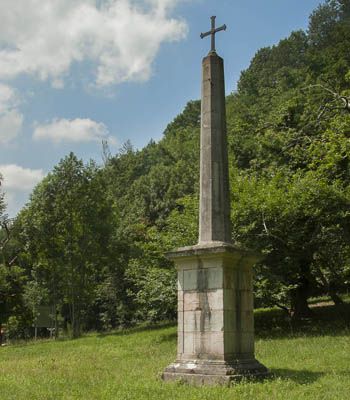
<point>215,295</point>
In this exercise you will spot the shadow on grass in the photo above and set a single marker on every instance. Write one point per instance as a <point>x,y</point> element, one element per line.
<point>331,320</point>
<point>137,329</point>
<point>38,342</point>
<point>170,337</point>
<point>344,373</point>
<point>101,335</point>
<point>302,377</point>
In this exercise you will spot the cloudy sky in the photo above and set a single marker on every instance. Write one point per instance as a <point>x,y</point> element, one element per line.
<point>76,72</point>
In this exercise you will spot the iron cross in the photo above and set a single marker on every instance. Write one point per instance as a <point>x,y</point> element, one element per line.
<point>212,32</point>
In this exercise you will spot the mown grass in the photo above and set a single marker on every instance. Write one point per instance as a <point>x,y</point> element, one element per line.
<point>308,361</point>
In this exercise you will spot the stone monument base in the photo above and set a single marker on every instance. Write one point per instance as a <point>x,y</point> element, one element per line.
<point>205,372</point>
<point>215,315</point>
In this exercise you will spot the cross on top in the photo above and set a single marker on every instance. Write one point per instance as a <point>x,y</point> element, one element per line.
<point>212,32</point>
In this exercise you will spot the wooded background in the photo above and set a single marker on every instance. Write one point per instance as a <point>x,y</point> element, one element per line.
<point>91,240</point>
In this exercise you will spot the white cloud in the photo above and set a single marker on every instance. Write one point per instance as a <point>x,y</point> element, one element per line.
<point>8,98</point>
<point>76,130</point>
<point>18,178</point>
<point>120,37</point>
<point>17,185</point>
<point>10,118</point>
<point>10,125</point>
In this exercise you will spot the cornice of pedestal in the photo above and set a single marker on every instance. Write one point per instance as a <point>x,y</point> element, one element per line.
<point>214,249</point>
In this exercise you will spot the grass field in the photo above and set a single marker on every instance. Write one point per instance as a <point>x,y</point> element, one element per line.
<point>309,361</point>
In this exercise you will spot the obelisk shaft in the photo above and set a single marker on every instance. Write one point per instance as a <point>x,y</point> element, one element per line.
<point>214,214</point>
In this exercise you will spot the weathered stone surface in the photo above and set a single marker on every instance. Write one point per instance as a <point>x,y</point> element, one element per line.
<point>215,296</point>
<point>215,315</point>
<point>214,219</point>
<point>214,372</point>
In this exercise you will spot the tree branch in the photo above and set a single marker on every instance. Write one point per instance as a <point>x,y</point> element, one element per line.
<point>336,98</point>
<point>270,234</point>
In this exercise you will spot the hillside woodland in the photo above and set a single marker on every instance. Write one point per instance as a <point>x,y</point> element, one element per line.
<point>91,241</point>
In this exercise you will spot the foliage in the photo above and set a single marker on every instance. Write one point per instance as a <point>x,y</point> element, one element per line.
<point>68,230</point>
<point>2,200</point>
<point>94,238</point>
<point>12,307</point>
<point>275,216</point>
<point>288,134</point>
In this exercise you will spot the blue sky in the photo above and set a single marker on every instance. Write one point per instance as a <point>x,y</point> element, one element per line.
<point>78,71</point>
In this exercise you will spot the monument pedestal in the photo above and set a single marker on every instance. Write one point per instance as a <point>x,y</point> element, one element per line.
<point>215,315</point>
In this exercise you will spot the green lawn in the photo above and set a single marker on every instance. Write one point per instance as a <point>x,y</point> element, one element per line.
<point>311,361</point>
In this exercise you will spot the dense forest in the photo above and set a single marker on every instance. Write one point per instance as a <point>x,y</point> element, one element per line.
<point>91,241</point>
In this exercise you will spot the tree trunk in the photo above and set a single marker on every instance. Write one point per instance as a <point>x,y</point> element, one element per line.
<point>56,321</point>
<point>299,297</point>
<point>76,318</point>
<point>336,299</point>
<point>329,288</point>
<point>73,319</point>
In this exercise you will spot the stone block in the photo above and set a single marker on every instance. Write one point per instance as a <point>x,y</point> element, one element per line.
<point>247,343</point>
<point>230,278</point>
<point>203,321</point>
<point>246,300</point>
<point>190,279</point>
<point>214,299</point>
<point>201,279</point>
<point>180,301</point>
<point>230,320</point>
<point>245,279</point>
<point>180,280</point>
<point>231,342</point>
<point>247,321</point>
<point>209,345</point>
<point>214,372</point>
<point>180,343</point>
<point>188,344</point>
<point>215,278</point>
<point>229,299</point>
<point>180,320</point>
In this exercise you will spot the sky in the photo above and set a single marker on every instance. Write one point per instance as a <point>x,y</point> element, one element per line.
<point>76,72</point>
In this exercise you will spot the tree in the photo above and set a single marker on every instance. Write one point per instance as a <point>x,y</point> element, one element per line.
<point>95,238</point>
<point>288,130</point>
<point>301,226</point>
<point>12,279</point>
<point>68,230</point>
<point>34,295</point>
<point>2,200</point>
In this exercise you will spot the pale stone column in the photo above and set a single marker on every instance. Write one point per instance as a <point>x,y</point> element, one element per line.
<point>215,288</point>
<point>214,215</point>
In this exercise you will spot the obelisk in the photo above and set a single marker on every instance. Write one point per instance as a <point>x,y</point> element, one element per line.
<point>215,289</point>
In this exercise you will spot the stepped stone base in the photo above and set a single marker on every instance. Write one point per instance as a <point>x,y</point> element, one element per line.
<point>215,316</point>
<point>200,372</point>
